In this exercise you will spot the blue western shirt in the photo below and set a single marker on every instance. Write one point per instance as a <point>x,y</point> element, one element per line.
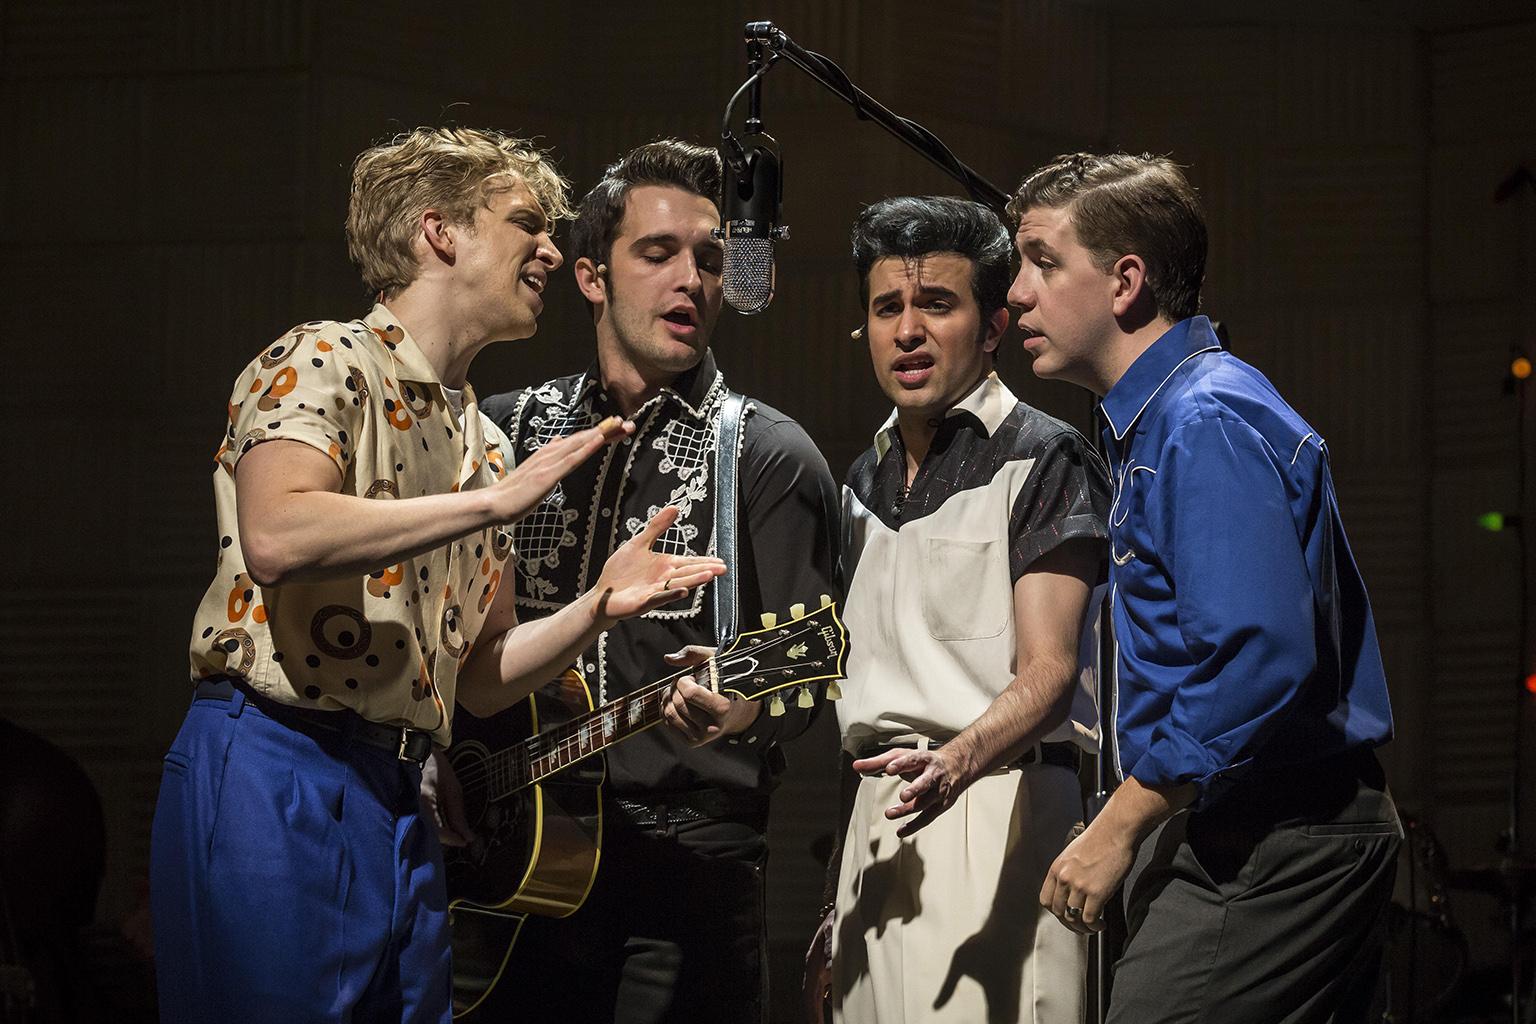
<point>1245,636</point>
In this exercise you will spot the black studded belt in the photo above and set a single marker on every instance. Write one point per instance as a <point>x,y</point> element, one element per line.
<point>406,744</point>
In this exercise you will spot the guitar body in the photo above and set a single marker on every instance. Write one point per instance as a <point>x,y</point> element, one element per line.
<point>532,782</point>
<point>535,849</point>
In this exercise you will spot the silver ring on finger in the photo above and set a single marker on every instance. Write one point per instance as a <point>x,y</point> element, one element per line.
<point>1073,913</point>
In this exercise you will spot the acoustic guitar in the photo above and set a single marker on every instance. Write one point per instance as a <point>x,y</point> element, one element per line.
<point>532,779</point>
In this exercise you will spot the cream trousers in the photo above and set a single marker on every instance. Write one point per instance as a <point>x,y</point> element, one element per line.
<point>946,925</point>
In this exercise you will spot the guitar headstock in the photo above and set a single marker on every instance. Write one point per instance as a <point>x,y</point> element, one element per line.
<point>801,649</point>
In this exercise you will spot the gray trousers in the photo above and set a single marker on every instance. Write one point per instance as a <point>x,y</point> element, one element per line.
<point>1268,908</point>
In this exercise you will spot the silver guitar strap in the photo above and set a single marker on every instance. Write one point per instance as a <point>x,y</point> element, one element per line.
<point>727,455</point>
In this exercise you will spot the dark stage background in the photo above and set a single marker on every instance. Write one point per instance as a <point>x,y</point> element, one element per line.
<point>175,179</point>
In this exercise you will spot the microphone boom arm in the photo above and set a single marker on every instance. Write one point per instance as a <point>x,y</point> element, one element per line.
<point>765,34</point>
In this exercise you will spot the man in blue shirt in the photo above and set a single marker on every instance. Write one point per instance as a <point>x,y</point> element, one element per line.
<point>1252,823</point>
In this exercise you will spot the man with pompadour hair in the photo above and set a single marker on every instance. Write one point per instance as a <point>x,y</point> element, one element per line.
<point>362,502</point>
<point>675,926</point>
<point>973,544</point>
<point>1252,828</point>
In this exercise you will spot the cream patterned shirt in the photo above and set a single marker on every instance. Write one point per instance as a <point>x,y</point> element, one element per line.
<point>389,644</point>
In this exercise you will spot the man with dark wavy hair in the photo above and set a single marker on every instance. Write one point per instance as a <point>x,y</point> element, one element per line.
<point>674,929</point>
<point>973,541</point>
<point>1252,826</point>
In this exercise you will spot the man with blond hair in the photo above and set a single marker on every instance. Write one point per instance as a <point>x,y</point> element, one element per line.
<point>362,504</point>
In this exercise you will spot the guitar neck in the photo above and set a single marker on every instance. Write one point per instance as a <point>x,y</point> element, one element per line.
<point>803,650</point>
<point>542,755</point>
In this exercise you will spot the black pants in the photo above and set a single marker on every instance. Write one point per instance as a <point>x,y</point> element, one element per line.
<point>674,930</point>
<point>1269,908</point>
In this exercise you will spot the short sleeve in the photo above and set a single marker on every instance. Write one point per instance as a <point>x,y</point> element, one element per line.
<point>305,387</point>
<point>1065,496</point>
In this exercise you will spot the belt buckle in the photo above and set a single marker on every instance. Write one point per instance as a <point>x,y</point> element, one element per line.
<point>400,748</point>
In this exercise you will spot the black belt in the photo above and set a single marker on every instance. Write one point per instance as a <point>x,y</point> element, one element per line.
<point>1062,755</point>
<point>406,744</point>
<point>658,810</point>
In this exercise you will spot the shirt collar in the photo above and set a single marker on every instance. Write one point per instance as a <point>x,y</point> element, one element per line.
<point>410,364</point>
<point>690,389</point>
<point>988,403</point>
<point>1134,391</point>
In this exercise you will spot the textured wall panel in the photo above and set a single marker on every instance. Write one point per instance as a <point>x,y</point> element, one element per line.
<point>1483,86</point>
<point>1406,655</point>
<point>1203,83</point>
<point>107,37</point>
<point>1474,711</point>
<point>1054,62</point>
<point>1474,571</point>
<point>58,188</point>
<point>216,306</point>
<point>225,157</point>
<point>70,665</point>
<point>128,787</point>
<point>1484,249</point>
<point>1336,218</point>
<point>1385,520</point>
<point>1353,371</point>
<point>1231,182</point>
<point>1349,87</point>
<point>244,34</point>
<point>804,812</point>
<point>1475,419</point>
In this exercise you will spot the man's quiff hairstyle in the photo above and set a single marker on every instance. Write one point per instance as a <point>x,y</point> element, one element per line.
<point>453,170</point>
<point>1122,205</point>
<point>671,162</point>
<point>910,227</point>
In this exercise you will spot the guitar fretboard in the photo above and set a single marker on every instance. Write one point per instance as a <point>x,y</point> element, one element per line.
<point>541,756</point>
<point>805,649</point>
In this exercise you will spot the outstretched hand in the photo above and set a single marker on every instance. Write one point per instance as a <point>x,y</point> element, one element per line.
<point>520,491</point>
<point>936,778</point>
<point>637,579</point>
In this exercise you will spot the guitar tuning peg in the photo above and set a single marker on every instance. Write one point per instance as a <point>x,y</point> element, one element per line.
<point>797,610</point>
<point>776,706</point>
<point>834,691</point>
<point>770,619</point>
<point>805,699</point>
<point>826,600</point>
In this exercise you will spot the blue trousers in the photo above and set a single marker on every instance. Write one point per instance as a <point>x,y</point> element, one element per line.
<point>293,879</point>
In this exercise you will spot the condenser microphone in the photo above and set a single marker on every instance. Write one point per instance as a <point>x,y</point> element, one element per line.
<point>753,190</point>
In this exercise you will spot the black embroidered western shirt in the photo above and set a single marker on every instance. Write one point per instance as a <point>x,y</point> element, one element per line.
<point>787,532</point>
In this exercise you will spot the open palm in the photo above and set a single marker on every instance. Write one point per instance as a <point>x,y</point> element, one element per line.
<point>637,578</point>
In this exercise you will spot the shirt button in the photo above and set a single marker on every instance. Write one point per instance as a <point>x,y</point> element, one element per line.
<point>627,440</point>
<point>607,512</point>
<point>591,668</point>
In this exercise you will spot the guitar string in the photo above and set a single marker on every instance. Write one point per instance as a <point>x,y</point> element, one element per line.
<point>501,761</point>
<point>574,728</point>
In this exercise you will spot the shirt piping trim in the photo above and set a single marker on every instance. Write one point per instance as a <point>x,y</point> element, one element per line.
<point>1118,432</point>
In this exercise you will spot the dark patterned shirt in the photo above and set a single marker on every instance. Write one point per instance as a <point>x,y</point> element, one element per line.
<point>787,516</point>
